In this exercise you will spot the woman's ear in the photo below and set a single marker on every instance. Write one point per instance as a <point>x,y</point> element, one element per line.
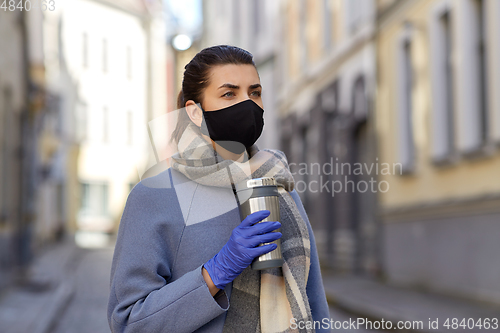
<point>194,112</point>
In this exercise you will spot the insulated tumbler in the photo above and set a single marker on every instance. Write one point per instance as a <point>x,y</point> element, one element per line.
<point>260,194</point>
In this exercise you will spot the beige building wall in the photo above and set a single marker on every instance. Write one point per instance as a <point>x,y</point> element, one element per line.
<point>465,178</point>
<point>109,152</point>
<point>439,217</point>
<point>327,47</point>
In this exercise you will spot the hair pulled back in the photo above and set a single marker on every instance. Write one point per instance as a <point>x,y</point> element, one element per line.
<point>196,77</point>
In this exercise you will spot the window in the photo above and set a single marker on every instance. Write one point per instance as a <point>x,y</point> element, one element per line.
<point>129,62</point>
<point>442,72</point>
<point>479,11</point>
<point>357,12</point>
<point>327,20</point>
<point>286,137</point>
<point>105,124</point>
<point>359,100</point>
<point>493,40</point>
<point>258,22</point>
<point>257,13</point>
<point>471,78</point>
<point>130,127</point>
<point>302,34</point>
<point>406,147</point>
<point>104,56</point>
<point>81,121</point>
<point>94,199</point>
<point>448,75</point>
<point>85,51</point>
<point>236,20</point>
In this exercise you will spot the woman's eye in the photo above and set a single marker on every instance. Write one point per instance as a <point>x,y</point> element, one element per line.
<point>226,94</point>
<point>257,92</point>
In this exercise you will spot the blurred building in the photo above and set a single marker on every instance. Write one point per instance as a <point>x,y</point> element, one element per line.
<point>316,62</point>
<point>438,114</point>
<point>75,102</point>
<point>326,87</point>
<point>388,114</point>
<point>253,26</point>
<point>184,21</point>
<point>31,190</point>
<point>112,74</point>
<point>12,96</point>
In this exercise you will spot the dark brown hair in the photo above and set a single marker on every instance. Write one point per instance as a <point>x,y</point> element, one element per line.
<point>196,78</point>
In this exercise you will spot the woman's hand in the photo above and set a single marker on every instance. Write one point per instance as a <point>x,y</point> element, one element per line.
<point>242,248</point>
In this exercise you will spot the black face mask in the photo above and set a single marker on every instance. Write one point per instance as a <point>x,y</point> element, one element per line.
<point>236,127</point>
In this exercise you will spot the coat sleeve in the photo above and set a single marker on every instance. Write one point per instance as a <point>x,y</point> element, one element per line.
<point>142,296</point>
<point>315,289</point>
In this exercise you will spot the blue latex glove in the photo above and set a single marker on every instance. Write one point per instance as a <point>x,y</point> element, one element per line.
<point>242,248</point>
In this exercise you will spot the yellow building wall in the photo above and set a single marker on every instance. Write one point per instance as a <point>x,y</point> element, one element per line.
<point>430,183</point>
<point>338,21</point>
<point>314,28</point>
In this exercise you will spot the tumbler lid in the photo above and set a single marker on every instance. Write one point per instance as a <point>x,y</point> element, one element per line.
<point>255,182</point>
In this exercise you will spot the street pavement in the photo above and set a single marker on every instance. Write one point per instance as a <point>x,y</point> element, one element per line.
<point>376,300</point>
<point>87,310</point>
<point>68,292</point>
<point>347,322</point>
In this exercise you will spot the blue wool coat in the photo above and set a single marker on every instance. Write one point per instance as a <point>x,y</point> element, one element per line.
<point>169,228</point>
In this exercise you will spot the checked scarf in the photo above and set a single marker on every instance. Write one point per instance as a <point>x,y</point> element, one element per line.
<point>267,300</point>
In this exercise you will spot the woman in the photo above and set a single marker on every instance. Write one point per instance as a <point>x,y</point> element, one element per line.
<point>182,256</point>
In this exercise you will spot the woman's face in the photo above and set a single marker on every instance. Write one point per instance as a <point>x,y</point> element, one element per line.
<point>228,85</point>
<point>231,84</point>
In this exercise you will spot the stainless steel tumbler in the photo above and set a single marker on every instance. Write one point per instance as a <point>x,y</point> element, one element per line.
<point>259,194</point>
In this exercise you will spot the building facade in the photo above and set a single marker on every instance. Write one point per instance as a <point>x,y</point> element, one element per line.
<point>31,213</point>
<point>253,26</point>
<point>438,114</point>
<point>316,61</point>
<point>117,70</point>
<point>327,83</point>
<point>388,113</point>
<point>13,91</point>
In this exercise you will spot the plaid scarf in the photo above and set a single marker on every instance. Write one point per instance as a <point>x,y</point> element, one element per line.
<point>267,300</point>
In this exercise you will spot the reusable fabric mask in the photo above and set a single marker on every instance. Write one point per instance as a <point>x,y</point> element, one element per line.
<point>235,127</point>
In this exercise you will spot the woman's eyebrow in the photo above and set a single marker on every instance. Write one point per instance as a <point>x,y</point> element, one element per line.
<point>233,86</point>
